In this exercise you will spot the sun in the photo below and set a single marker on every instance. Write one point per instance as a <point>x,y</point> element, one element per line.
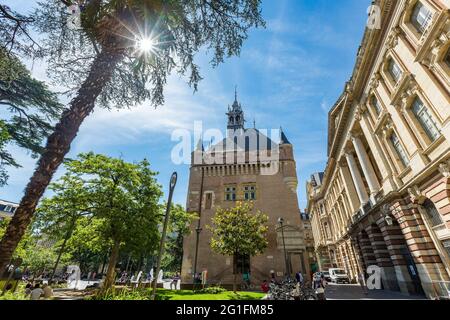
<point>146,45</point>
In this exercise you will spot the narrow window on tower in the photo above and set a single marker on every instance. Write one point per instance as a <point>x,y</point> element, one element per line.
<point>208,204</point>
<point>230,193</point>
<point>250,192</point>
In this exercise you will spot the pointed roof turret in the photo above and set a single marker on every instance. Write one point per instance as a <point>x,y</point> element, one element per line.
<point>235,115</point>
<point>200,146</point>
<point>283,138</point>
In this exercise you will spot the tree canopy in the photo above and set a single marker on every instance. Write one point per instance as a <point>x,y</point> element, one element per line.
<point>177,29</point>
<point>239,231</point>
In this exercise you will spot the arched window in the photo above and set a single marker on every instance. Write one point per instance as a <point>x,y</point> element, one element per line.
<point>432,212</point>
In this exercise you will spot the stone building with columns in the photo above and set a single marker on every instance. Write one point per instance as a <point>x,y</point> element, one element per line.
<point>245,166</point>
<point>384,197</point>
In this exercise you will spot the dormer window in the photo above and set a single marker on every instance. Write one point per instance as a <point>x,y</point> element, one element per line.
<point>421,17</point>
<point>394,70</point>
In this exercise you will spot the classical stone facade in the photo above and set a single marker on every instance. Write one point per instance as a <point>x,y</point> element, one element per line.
<point>248,166</point>
<point>384,198</point>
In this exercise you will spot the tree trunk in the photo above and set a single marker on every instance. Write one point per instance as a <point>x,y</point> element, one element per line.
<point>63,247</point>
<point>110,273</point>
<point>58,145</point>
<point>235,283</point>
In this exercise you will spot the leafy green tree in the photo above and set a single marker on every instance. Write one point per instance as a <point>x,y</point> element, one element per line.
<point>179,223</point>
<point>118,204</point>
<point>122,55</point>
<point>87,245</point>
<point>238,231</point>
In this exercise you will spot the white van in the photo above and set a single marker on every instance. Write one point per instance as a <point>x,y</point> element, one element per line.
<point>338,275</point>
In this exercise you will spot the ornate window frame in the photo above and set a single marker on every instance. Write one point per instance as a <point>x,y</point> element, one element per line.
<point>416,38</point>
<point>393,85</point>
<point>386,131</point>
<point>403,104</point>
<point>376,116</point>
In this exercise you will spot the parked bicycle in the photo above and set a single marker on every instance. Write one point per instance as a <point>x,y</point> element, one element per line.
<point>290,290</point>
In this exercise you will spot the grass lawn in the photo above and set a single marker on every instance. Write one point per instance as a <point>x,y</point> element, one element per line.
<point>190,295</point>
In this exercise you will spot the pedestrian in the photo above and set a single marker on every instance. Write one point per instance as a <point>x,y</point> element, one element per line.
<point>321,284</point>
<point>299,277</point>
<point>273,278</point>
<point>37,292</point>
<point>175,280</point>
<point>28,289</point>
<point>48,291</point>
<point>362,283</point>
<point>246,279</point>
<point>265,287</point>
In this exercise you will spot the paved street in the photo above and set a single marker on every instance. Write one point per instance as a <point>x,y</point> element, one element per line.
<point>354,292</point>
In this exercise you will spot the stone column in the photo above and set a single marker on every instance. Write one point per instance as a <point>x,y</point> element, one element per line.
<point>357,179</point>
<point>367,168</point>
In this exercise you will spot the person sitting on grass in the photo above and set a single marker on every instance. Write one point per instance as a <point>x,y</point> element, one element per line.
<point>48,291</point>
<point>28,289</point>
<point>37,292</point>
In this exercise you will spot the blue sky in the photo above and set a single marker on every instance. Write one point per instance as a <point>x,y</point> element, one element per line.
<point>289,75</point>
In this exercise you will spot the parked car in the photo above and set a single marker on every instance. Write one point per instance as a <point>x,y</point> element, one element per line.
<point>327,276</point>
<point>338,275</point>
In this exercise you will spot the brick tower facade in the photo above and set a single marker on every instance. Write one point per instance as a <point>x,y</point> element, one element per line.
<point>252,167</point>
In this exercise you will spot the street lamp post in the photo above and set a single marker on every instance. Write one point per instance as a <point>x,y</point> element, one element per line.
<point>173,182</point>
<point>288,271</point>
<point>198,229</point>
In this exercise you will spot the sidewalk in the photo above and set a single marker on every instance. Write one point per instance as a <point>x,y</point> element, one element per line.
<point>354,292</point>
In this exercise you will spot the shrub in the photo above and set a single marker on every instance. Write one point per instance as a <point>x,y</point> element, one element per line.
<point>211,290</point>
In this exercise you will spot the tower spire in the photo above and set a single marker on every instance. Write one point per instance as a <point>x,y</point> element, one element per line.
<point>235,115</point>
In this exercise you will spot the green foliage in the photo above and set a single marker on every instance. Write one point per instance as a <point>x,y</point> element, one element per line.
<point>239,231</point>
<point>18,295</point>
<point>211,290</point>
<point>101,200</point>
<point>163,294</point>
<point>4,139</point>
<point>179,29</point>
<point>27,108</point>
<point>179,223</point>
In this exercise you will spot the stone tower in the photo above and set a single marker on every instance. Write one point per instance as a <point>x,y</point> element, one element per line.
<point>262,171</point>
